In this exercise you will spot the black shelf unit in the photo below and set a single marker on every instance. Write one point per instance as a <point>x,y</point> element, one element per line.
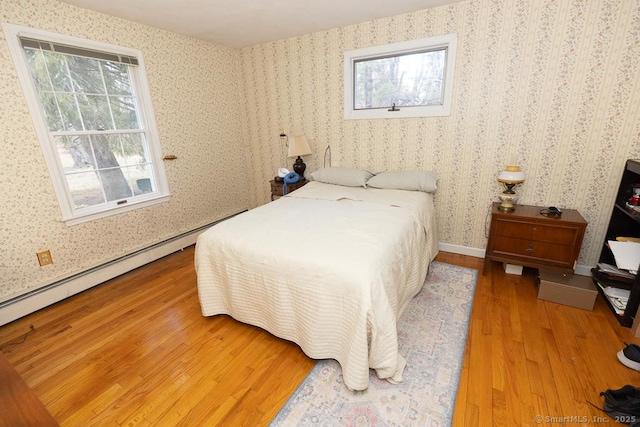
<point>625,221</point>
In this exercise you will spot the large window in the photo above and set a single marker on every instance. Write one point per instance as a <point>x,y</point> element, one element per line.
<point>91,107</point>
<point>409,79</point>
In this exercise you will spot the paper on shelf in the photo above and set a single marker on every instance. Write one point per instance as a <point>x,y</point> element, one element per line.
<point>622,294</point>
<point>619,311</point>
<point>615,271</point>
<point>626,254</point>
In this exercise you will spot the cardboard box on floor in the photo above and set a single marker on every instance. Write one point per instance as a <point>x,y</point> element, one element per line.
<point>569,289</point>
<point>512,269</point>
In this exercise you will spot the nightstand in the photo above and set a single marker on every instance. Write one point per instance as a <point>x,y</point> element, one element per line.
<point>528,238</point>
<point>278,187</point>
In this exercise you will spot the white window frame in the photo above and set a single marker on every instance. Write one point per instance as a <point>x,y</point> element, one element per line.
<point>448,42</point>
<point>70,215</point>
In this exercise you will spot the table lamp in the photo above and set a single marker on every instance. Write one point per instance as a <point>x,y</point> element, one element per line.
<point>299,146</point>
<point>510,177</point>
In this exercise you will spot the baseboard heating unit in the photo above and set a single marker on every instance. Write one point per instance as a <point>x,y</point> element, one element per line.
<point>37,299</point>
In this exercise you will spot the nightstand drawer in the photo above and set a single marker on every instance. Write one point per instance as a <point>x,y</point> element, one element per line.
<point>532,250</point>
<point>277,188</point>
<point>537,232</point>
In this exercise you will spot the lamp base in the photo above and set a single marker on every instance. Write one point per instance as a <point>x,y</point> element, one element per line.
<point>299,167</point>
<point>506,207</point>
<point>508,201</point>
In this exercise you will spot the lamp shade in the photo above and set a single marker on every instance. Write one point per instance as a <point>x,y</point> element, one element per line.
<point>511,174</point>
<point>298,146</point>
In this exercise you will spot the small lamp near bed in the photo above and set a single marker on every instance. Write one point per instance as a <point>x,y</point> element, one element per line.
<point>299,146</point>
<point>510,177</point>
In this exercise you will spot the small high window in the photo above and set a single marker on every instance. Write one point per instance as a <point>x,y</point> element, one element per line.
<point>408,79</point>
<point>91,107</point>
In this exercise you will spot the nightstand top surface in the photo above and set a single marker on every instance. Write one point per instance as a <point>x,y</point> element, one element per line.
<point>299,181</point>
<point>533,212</point>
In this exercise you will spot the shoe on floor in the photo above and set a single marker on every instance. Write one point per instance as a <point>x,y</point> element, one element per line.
<point>630,356</point>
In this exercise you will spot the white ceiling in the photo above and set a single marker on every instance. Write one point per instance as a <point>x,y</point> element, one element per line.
<point>241,23</point>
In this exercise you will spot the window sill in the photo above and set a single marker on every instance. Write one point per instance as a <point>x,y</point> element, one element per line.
<point>82,218</point>
<point>403,112</point>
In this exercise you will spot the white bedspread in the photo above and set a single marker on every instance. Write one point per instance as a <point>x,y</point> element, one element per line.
<point>330,268</point>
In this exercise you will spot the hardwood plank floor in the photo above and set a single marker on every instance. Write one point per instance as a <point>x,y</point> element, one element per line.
<point>137,351</point>
<point>528,358</point>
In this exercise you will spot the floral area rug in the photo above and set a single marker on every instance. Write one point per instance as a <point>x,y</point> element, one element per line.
<point>432,334</point>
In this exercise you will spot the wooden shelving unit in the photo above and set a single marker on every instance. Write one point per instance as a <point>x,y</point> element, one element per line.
<point>625,221</point>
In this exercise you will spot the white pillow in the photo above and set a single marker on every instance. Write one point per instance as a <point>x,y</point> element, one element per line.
<point>349,177</point>
<point>405,180</point>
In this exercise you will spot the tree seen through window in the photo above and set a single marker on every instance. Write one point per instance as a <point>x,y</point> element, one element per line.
<point>414,79</point>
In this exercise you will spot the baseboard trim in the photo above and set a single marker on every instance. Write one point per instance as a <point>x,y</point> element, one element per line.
<point>462,250</point>
<point>37,299</point>
<point>583,270</point>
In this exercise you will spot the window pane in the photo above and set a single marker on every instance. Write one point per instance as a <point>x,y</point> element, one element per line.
<point>134,149</point>
<point>115,184</point>
<point>75,153</point>
<point>140,179</point>
<point>38,69</point>
<point>86,75</point>
<point>51,112</point>
<point>69,111</point>
<point>105,148</point>
<point>95,112</point>
<point>406,80</point>
<point>115,147</point>
<point>58,72</point>
<point>85,189</point>
<point>116,78</point>
<point>124,112</point>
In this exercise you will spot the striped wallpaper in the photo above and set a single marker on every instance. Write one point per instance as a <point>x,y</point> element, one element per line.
<point>553,86</point>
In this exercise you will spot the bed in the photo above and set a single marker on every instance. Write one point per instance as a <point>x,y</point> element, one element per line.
<point>328,267</point>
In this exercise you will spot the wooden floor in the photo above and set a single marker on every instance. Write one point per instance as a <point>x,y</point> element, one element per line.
<point>136,351</point>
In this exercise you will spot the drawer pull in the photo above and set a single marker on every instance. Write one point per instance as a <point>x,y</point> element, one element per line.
<point>529,250</point>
